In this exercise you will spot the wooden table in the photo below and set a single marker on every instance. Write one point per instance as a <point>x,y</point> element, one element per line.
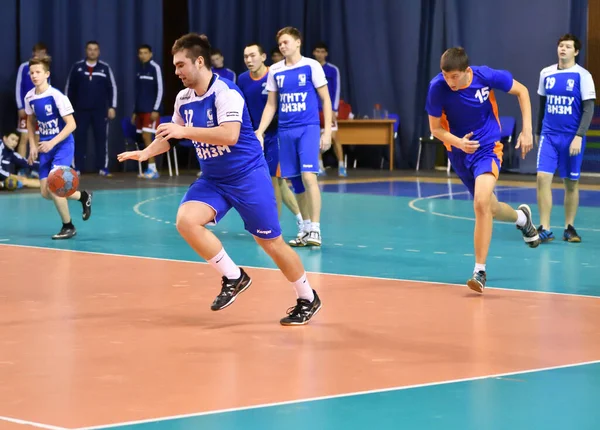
<point>367,132</point>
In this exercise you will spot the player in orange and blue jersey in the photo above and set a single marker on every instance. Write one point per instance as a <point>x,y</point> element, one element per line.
<point>462,106</point>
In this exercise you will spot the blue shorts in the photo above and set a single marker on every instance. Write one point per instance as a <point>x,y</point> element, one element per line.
<point>299,149</point>
<point>61,155</point>
<point>271,152</point>
<point>469,166</point>
<point>252,196</point>
<point>553,153</point>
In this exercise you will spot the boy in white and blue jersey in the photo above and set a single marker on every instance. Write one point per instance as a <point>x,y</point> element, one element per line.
<point>567,95</point>
<point>54,115</point>
<point>211,112</point>
<point>253,85</point>
<point>295,86</point>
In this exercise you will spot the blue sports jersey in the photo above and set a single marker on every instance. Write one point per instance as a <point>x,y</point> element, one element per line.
<point>296,85</point>
<point>565,90</point>
<point>223,102</point>
<point>225,73</point>
<point>332,74</point>
<point>256,94</point>
<point>471,109</point>
<point>49,108</point>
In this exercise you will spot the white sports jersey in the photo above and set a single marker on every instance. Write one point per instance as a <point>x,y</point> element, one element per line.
<point>565,90</point>
<point>223,102</point>
<point>49,108</point>
<point>296,85</point>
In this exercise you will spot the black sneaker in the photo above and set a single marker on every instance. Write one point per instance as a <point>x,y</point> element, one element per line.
<point>530,233</point>
<point>477,282</point>
<point>65,233</point>
<point>87,205</point>
<point>570,234</point>
<point>230,290</point>
<point>302,312</point>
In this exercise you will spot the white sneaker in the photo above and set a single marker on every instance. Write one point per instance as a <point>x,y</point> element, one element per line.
<point>300,239</point>
<point>314,238</point>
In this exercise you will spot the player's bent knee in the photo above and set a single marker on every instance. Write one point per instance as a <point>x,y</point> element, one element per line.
<point>482,203</point>
<point>571,185</point>
<point>271,246</point>
<point>45,193</point>
<point>309,179</point>
<point>544,177</point>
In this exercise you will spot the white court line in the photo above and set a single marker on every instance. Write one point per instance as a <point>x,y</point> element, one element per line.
<point>338,396</point>
<point>553,293</point>
<point>31,423</point>
<point>413,206</point>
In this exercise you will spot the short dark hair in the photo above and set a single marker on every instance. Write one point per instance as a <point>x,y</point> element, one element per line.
<point>275,51</point>
<point>44,61</point>
<point>196,45</point>
<point>92,42</point>
<point>321,45</point>
<point>40,46</point>
<point>216,51</point>
<point>569,36</point>
<point>454,60</point>
<point>145,46</point>
<point>292,31</point>
<point>9,132</point>
<point>258,45</point>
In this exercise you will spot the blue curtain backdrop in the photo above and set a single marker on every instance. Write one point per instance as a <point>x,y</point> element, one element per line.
<point>387,50</point>
<point>8,71</point>
<point>119,26</point>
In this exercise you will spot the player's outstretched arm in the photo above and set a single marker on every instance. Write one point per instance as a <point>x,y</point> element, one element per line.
<point>440,133</point>
<point>157,147</point>
<point>525,140</point>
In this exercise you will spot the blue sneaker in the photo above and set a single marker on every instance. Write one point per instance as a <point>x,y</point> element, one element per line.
<point>570,234</point>
<point>150,174</point>
<point>342,171</point>
<point>545,235</point>
<point>105,172</point>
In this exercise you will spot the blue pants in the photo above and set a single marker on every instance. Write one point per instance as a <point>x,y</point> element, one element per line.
<point>271,151</point>
<point>99,122</point>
